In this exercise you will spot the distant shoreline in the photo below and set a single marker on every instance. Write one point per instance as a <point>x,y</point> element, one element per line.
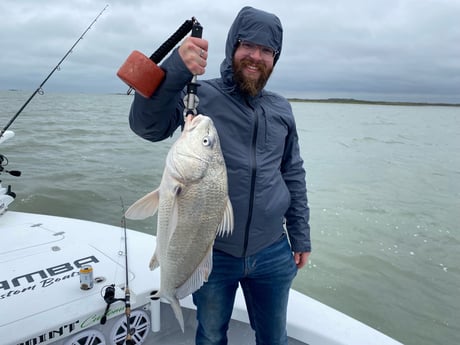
<point>357,101</point>
<point>335,100</point>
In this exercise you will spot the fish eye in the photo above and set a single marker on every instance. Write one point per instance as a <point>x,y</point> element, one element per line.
<point>207,141</point>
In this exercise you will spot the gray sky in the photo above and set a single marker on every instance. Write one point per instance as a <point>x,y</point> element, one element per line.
<point>367,49</point>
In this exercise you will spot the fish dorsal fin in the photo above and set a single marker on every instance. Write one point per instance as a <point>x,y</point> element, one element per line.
<point>198,278</point>
<point>226,225</point>
<point>145,207</point>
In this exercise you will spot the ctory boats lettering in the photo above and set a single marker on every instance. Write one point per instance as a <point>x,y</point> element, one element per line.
<point>47,275</point>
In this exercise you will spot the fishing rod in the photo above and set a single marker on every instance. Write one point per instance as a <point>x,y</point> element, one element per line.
<point>39,89</point>
<point>129,340</point>
<point>109,295</point>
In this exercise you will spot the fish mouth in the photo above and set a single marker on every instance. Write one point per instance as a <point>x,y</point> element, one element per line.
<point>192,122</point>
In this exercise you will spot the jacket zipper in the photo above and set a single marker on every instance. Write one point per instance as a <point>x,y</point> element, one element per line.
<point>253,181</point>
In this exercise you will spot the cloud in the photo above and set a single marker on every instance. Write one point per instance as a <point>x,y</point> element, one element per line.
<point>375,49</point>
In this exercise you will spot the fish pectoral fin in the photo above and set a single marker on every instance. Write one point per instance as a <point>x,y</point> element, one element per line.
<point>198,278</point>
<point>173,218</point>
<point>226,225</point>
<point>145,207</point>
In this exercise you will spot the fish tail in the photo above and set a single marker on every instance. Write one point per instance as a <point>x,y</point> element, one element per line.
<point>177,311</point>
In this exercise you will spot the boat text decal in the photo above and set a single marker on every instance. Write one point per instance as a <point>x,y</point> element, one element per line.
<point>52,335</point>
<point>70,328</point>
<point>42,278</point>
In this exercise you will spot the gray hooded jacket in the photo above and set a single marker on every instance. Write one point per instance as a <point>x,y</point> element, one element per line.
<point>258,138</point>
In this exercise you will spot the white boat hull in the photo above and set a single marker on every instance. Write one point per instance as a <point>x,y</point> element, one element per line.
<point>41,301</point>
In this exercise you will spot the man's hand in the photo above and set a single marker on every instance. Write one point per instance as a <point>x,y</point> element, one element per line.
<point>194,52</point>
<point>301,259</point>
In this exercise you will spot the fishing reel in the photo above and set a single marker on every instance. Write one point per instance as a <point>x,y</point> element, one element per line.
<point>109,298</point>
<point>4,163</point>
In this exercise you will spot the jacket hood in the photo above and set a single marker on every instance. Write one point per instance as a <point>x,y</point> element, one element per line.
<point>255,26</point>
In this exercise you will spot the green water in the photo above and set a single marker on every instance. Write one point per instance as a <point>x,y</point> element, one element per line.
<point>383,186</point>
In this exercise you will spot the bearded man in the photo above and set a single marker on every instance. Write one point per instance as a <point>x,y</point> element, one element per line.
<point>266,178</point>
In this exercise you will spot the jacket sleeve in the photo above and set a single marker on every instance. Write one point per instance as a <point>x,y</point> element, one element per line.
<point>156,118</point>
<point>298,214</point>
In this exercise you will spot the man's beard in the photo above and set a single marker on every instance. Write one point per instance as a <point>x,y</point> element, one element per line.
<point>247,85</point>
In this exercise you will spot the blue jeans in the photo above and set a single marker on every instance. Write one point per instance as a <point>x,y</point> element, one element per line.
<point>265,278</point>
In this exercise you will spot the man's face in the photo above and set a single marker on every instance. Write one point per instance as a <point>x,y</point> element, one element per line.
<point>252,66</point>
